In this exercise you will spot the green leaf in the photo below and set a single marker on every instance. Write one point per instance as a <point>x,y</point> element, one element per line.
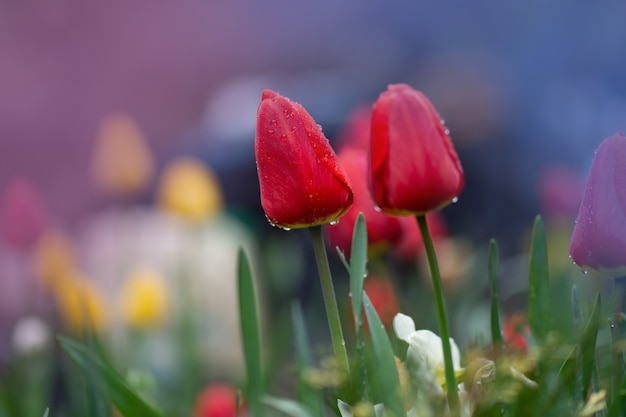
<point>496,331</point>
<point>358,266</point>
<point>288,407</point>
<point>250,335</point>
<point>588,346</point>
<point>384,371</point>
<point>539,283</point>
<point>127,402</point>
<point>45,413</point>
<point>307,395</point>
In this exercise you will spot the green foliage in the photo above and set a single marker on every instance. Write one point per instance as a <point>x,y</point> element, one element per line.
<point>108,381</point>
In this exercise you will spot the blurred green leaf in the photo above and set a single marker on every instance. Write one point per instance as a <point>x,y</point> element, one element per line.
<point>250,335</point>
<point>127,402</point>
<point>307,395</point>
<point>45,413</point>
<point>588,347</point>
<point>288,407</point>
<point>496,331</point>
<point>539,283</point>
<point>384,371</point>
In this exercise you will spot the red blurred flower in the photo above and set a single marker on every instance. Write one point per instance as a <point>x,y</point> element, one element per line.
<point>599,239</point>
<point>301,182</point>
<point>217,400</point>
<point>356,132</point>
<point>411,246</point>
<point>22,215</point>
<point>382,230</point>
<point>517,332</point>
<point>414,167</point>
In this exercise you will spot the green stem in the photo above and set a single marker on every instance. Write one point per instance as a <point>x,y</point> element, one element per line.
<point>442,316</point>
<point>328,291</point>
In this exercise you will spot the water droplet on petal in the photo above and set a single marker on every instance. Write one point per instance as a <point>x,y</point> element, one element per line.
<point>270,132</point>
<point>446,131</point>
<point>584,271</point>
<point>283,136</point>
<point>286,228</point>
<point>455,199</point>
<point>377,208</point>
<point>273,122</point>
<point>334,222</point>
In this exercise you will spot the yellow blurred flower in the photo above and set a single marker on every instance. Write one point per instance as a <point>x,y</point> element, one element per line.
<point>122,161</point>
<point>144,300</point>
<point>81,303</point>
<point>54,255</point>
<point>189,189</point>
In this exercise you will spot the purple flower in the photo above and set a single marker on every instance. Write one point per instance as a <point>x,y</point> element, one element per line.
<point>599,239</point>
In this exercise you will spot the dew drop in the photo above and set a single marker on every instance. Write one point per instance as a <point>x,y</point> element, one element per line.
<point>310,196</point>
<point>334,222</point>
<point>377,208</point>
<point>446,131</point>
<point>273,122</point>
<point>270,132</point>
<point>584,271</point>
<point>286,228</point>
<point>283,136</point>
<point>455,199</point>
<point>270,222</point>
<point>443,122</point>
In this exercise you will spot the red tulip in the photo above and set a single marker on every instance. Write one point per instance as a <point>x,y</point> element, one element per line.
<point>599,239</point>
<point>301,182</point>
<point>382,230</point>
<point>414,168</point>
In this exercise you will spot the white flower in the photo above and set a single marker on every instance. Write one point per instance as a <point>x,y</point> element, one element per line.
<point>30,334</point>
<point>424,345</point>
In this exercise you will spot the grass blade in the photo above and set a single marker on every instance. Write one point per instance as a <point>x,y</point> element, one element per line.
<point>496,330</point>
<point>250,335</point>
<point>539,283</point>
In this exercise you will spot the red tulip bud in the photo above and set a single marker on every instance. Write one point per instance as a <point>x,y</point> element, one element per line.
<point>22,213</point>
<point>414,167</point>
<point>301,182</point>
<point>599,239</point>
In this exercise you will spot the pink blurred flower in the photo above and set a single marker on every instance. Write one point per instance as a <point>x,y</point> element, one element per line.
<point>599,239</point>
<point>560,190</point>
<point>22,214</point>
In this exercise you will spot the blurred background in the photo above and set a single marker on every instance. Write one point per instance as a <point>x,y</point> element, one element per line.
<point>98,101</point>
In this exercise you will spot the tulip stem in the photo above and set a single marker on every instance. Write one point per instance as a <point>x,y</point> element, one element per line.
<point>330,302</point>
<point>442,316</point>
